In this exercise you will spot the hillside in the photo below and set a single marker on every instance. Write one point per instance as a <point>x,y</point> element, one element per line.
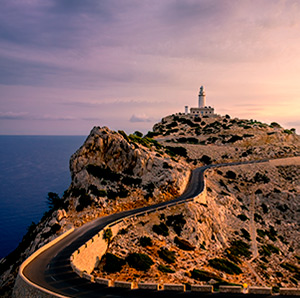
<point>222,139</point>
<point>113,172</point>
<point>246,231</point>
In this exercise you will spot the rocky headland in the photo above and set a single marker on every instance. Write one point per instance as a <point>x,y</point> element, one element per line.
<point>246,231</point>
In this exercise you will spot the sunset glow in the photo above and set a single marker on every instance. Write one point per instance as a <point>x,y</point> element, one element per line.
<point>67,66</point>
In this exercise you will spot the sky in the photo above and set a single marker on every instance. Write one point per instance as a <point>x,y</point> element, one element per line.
<point>69,65</point>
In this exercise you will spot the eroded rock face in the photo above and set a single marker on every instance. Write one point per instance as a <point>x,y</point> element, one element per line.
<point>123,159</point>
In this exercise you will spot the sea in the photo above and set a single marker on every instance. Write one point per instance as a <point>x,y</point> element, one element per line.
<point>30,167</point>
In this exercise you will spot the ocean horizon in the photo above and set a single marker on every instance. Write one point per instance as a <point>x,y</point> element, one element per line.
<point>31,166</point>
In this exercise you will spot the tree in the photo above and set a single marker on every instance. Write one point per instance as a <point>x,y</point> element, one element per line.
<point>138,134</point>
<point>53,200</point>
<point>107,235</point>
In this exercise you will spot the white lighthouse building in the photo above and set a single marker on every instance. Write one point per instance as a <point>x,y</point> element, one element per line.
<point>202,109</point>
<point>202,99</point>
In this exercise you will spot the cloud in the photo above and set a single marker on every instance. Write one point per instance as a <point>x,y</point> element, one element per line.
<point>140,118</point>
<point>293,123</point>
<point>46,117</point>
<point>112,102</point>
<point>13,115</point>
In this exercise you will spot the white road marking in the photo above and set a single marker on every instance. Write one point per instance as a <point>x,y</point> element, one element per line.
<point>74,289</point>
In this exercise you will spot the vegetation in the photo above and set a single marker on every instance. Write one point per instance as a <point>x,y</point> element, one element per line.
<point>165,269</point>
<point>261,178</point>
<point>225,265</point>
<point>167,255</point>
<point>290,267</point>
<point>161,229</point>
<point>271,233</point>
<point>183,244</point>
<point>145,241</point>
<point>173,151</point>
<point>177,222</point>
<point>107,235</point>
<point>103,173</point>
<point>204,275</point>
<point>242,217</point>
<point>97,192</point>
<point>84,201</point>
<point>112,263</point>
<point>239,248</point>
<point>230,175</point>
<point>264,208</point>
<point>206,159</point>
<point>245,234</point>
<point>139,261</point>
<point>54,201</point>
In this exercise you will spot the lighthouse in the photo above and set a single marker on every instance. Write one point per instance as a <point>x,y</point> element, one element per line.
<point>202,99</point>
<point>202,109</point>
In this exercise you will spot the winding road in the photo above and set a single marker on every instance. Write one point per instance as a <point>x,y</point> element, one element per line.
<point>52,270</point>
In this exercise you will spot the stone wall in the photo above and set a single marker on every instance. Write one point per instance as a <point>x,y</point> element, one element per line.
<point>86,257</point>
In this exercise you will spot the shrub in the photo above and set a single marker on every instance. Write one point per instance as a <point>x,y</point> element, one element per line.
<point>161,229</point>
<point>177,150</point>
<point>97,192</point>
<point>107,235</point>
<point>139,261</point>
<point>240,248</point>
<point>230,175</point>
<point>273,248</point>
<point>264,208</point>
<point>105,173</point>
<point>206,159</point>
<point>183,244</point>
<point>242,217</point>
<point>138,134</point>
<point>152,134</point>
<point>225,265</point>
<point>257,217</point>
<point>245,234</point>
<point>167,255</point>
<point>204,275</point>
<point>177,222</point>
<point>84,201</point>
<point>167,166</point>
<point>123,134</point>
<point>112,263</point>
<point>145,241</point>
<point>275,124</point>
<point>191,140</point>
<point>54,201</point>
<point>264,251</point>
<point>165,269</point>
<point>290,267</point>
<point>129,180</point>
<point>234,139</point>
<point>261,178</point>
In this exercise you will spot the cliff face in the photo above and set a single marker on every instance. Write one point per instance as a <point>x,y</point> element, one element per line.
<point>112,167</point>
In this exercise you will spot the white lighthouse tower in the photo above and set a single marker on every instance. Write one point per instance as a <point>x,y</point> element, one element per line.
<point>202,109</point>
<point>202,99</point>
